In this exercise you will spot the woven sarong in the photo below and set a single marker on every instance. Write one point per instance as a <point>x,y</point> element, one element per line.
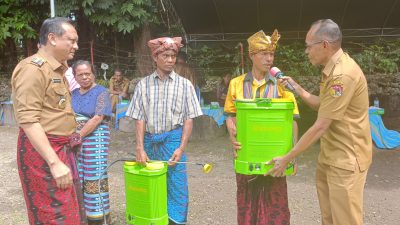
<point>92,163</point>
<point>47,204</point>
<point>262,200</point>
<point>161,147</point>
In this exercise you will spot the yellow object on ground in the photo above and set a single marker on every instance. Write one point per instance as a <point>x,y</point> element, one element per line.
<point>207,168</point>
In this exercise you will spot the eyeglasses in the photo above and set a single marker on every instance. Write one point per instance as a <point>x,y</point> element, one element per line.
<point>317,42</point>
<point>84,75</point>
<point>314,43</point>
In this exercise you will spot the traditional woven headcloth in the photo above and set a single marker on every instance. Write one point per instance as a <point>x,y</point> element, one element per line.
<point>260,42</point>
<point>165,43</point>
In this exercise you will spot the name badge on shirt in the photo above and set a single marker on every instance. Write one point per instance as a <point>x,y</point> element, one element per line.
<point>56,81</point>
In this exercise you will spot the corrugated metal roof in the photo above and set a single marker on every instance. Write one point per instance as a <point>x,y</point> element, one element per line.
<point>231,19</point>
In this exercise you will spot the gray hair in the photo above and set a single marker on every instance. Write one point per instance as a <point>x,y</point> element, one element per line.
<point>82,62</point>
<point>327,30</point>
<point>52,25</point>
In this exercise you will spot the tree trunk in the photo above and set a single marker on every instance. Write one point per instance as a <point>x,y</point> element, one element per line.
<point>86,34</point>
<point>116,50</point>
<point>8,57</point>
<point>144,61</point>
<point>30,50</point>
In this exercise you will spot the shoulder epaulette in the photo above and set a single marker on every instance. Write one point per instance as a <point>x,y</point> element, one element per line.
<point>38,61</point>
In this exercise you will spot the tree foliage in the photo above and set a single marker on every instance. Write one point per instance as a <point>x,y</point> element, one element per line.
<point>19,18</point>
<point>380,57</point>
<point>375,56</point>
<point>291,59</point>
<point>122,16</point>
<point>216,60</point>
<point>108,21</point>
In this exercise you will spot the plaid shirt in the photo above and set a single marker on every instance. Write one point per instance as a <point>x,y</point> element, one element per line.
<point>164,104</point>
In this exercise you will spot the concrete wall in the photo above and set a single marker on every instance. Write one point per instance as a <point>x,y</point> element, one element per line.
<point>5,89</point>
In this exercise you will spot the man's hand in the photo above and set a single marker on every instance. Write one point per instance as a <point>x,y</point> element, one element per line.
<point>231,125</point>
<point>284,81</point>
<point>62,174</point>
<point>141,156</point>
<point>75,140</point>
<point>236,147</point>
<point>280,165</point>
<point>176,157</point>
<point>296,168</point>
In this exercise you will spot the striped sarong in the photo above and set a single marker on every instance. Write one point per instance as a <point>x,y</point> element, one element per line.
<point>161,147</point>
<point>92,163</point>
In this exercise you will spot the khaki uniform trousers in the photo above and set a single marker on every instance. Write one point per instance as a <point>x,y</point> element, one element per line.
<point>340,194</point>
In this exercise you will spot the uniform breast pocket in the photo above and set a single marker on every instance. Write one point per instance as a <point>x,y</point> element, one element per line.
<point>58,96</point>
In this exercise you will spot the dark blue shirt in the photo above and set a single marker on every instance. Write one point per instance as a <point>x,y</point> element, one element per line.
<point>94,102</point>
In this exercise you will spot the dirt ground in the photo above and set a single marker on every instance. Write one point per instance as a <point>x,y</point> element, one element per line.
<point>212,196</point>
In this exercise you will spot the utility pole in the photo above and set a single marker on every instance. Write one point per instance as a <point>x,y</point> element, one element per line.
<point>52,9</point>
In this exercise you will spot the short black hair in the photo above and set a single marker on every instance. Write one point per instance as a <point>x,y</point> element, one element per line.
<point>52,25</point>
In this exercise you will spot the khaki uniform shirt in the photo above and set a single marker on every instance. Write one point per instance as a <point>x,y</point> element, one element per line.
<point>344,99</point>
<point>40,94</point>
<point>122,85</point>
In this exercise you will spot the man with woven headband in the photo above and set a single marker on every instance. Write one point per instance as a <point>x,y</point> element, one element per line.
<point>260,199</point>
<point>164,105</point>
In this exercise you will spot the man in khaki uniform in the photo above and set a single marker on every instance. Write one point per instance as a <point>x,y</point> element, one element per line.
<point>342,125</point>
<point>118,88</point>
<point>42,105</point>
